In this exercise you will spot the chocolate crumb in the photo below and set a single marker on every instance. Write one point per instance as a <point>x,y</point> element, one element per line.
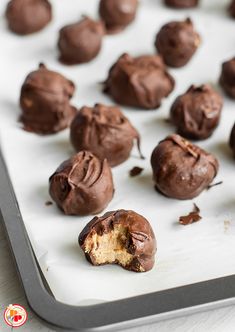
<point>48,203</point>
<point>135,171</point>
<point>191,217</point>
<point>214,184</point>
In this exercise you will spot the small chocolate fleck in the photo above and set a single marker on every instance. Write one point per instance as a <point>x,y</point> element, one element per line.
<point>135,171</point>
<point>191,217</point>
<point>48,203</point>
<point>214,185</point>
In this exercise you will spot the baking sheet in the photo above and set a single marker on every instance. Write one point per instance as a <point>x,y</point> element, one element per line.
<point>198,252</point>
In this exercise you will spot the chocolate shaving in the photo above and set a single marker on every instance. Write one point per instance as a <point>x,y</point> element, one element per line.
<point>191,217</point>
<point>135,171</point>
<point>48,203</point>
<point>214,185</point>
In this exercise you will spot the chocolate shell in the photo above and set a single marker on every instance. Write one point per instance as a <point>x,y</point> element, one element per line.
<point>80,42</point>
<point>45,102</point>
<point>105,131</point>
<point>117,14</point>
<point>119,237</point>
<point>197,112</point>
<point>227,77</point>
<point>82,185</point>
<point>177,42</point>
<point>140,82</point>
<point>181,3</point>
<point>182,170</point>
<point>28,16</point>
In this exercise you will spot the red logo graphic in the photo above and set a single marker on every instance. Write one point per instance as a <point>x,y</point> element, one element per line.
<point>15,315</point>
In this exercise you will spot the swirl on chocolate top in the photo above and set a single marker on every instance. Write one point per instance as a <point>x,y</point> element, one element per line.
<point>80,42</point>
<point>177,42</point>
<point>197,112</point>
<point>28,16</point>
<point>117,14</point>
<point>139,82</point>
<point>181,169</point>
<point>105,131</point>
<point>82,185</point>
<point>45,101</point>
<point>120,237</point>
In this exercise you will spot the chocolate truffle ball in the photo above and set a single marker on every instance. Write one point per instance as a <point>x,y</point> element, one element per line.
<point>181,3</point>
<point>45,101</point>
<point>82,185</point>
<point>182,170</point>
<point>227,77</point>
<point>28,16</point>
<point>119,237</point>
<point>139,82</point>
<point>80,42</point>
<point>231,8</point>
<point>177,42</point>
<point>105,131</point>
<point>197,112</point>
<point>117,14</point>
<point>232,140</point>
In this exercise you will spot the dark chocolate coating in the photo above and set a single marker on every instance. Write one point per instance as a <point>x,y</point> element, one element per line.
<point>117,14</point>
<point>82,185</point>
<point>231,9</point>
<point>182,170</point>
<point>181,3</point>
<point>139,82</point>
<point>197,112</point>
<point>80,42</point>
<point>232,139</point>
<point>105,131</point>
<point>140,243</point>
<point>28,16</point>
<point>227,77</point>
<point>45,102</point>
<point>177,42</point>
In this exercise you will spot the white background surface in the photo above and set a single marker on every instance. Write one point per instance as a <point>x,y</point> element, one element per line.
<point>179,248</point>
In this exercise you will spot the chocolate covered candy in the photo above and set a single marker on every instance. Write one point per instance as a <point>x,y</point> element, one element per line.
<point>105,131</point>
<point>197,112</point>
<point>82,185</point>
<point>232,140</point>
<point>28,16</point>
<point>181,3</point>
<point>80,42</point>
<point>139,82</point>
<point>177,42</point>
<point>182,170</point>
<point>119,237</point>
<point>231,9</point>
<point>117,14</point>
<point>227,77</point>
<point>45,101</point>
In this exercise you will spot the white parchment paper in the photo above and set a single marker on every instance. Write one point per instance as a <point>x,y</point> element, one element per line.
<point>201,251</point>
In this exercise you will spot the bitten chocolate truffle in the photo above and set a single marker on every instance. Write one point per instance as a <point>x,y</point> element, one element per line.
<point>231,8</point>
<point>28,16</point>
<point>177,42</point>
<point>82,185</point>
<point>119,237</point>
<point>197,112</point>
<point>181,3</point>
<point>117,14</point>
<point>227,77</point>
<point>105,131</point>
<point>232,139</point>
<point>80,42</point>
<point>182,170</point>
<point>139,82</point>
<point>45,101</point>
